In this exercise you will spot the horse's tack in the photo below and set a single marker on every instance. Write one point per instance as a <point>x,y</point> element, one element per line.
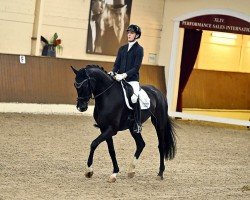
<point>79,85</point>
<point>142,96</point>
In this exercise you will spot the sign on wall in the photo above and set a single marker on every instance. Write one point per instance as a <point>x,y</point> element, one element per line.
<point>108,21</point>
<point>223,23</point>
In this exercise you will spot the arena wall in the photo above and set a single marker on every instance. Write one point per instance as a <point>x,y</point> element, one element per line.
<point>50,80</point>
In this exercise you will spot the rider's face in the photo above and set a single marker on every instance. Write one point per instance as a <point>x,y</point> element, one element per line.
<point>131,36</point>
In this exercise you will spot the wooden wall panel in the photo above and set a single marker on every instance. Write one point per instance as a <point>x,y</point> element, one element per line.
<point>50,80</point>
<point>217,90</point>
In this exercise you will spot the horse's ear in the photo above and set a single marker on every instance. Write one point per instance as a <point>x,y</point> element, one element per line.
<point>74,70</point>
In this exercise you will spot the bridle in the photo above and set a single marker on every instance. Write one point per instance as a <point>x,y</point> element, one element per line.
<point>79,85</point>
<point>91,95</point>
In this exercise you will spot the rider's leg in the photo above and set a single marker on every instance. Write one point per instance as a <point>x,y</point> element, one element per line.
<point>137,116</point>
<point>136,106</point>
<point>136,88</point>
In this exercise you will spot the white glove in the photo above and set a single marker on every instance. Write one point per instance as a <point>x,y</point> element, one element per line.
<point>111,73</point>
<point>119,77</point>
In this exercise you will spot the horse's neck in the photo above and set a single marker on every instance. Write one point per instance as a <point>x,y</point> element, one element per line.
<point>107,91</point>
<point>102,84</point>
<point>110,98</point>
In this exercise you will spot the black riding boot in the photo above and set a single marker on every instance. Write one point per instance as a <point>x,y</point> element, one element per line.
<point>137,116</point>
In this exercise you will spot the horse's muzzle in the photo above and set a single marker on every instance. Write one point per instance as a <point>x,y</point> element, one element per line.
<point>82,106</point>
<point>82,109</point>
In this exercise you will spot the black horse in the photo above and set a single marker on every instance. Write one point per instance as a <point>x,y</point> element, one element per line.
<point>112,115</point>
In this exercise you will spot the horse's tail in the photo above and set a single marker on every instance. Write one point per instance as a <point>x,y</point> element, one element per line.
<point>169,139</point>
<point>163,123</point>
<point>169,135</point>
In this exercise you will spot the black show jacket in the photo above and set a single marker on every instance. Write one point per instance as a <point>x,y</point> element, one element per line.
<point>129,61</point>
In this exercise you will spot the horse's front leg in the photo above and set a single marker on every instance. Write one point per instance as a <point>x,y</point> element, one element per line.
<point>112,154</point>
<point>140,144</point>
<point>102,137</point>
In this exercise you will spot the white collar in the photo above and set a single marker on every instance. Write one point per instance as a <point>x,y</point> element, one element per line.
<point>130,44</point>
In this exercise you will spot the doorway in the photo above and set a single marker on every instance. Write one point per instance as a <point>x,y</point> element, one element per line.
<point>219,83</point>
<point>174,70</point>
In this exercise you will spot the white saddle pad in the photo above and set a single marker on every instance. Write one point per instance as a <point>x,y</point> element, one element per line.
<point>143,99</point>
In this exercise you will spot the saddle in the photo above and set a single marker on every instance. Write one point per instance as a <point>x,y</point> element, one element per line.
<point>128,92</point>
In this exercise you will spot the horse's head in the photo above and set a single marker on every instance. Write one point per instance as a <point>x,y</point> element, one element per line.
<point>83,88</point>
<point>86,81</point>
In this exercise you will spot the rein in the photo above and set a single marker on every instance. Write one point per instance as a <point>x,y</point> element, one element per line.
<point>103,91</point>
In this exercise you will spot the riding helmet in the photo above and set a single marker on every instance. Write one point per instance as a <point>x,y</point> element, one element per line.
<point>136,29</point>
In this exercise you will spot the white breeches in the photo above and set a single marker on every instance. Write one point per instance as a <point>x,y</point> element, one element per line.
<point>136,87</point>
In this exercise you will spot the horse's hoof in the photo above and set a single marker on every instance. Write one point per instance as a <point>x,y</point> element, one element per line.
<point>159,177</point>
<point>112,178</point>
<point>89,174</point>
<point>131,174</point>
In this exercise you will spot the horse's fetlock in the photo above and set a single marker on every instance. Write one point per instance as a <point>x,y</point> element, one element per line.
<point>116,170</point>
<point>143,145</point>
<point>162,169</point>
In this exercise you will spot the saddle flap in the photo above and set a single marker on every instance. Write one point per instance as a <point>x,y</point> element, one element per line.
<point>143,97</point>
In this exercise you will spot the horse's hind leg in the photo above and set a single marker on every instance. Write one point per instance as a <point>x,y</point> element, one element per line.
<point>161,151</point>
<point>113,158</point>
<point>160,134</point>
<point>140,144</point>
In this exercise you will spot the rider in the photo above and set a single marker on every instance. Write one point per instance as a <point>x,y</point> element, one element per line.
<point>127,65</point>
